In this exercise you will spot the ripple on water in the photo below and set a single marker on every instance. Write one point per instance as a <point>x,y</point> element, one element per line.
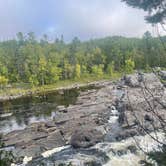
<point>129,159</point>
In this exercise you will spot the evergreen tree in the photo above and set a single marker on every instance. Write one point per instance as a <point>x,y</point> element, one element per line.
<point>156,9</point>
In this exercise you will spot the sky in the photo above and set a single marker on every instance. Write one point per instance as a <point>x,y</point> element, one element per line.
<point>86,19</point>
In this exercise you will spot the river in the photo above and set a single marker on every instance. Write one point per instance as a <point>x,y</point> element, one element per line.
<point>88,107</point>
<point>18,113</point>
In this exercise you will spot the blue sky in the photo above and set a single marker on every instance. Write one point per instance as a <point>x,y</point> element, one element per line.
<point>83,18</point>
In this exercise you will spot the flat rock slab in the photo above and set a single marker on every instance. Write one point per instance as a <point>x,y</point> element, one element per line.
<point>36,147</point>
<point>23,136</point>
<point>83,125</point>
<point>91,110</point>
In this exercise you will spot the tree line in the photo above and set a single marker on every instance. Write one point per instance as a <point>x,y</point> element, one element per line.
<point>39,62</point>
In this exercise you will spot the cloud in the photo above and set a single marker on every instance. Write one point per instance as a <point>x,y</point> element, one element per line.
<point>83,18</point>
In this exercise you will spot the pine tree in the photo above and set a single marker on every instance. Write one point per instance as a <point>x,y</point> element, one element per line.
<point>156,9</point>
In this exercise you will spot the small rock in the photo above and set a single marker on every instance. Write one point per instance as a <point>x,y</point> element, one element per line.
<point>148,118</point>
<point>132,149</point>
<point>50,124</point>
<point>62,108</point>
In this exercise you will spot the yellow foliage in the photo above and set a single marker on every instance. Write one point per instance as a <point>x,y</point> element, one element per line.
<point>3,81</point>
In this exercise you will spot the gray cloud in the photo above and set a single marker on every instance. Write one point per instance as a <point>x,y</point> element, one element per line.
<point>83,18</point>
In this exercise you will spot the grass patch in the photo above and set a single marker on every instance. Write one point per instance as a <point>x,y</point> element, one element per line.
<point>26,89</point>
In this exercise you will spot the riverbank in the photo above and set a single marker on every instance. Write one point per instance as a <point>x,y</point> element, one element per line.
<point>97,129</point>
<point>18,92</point>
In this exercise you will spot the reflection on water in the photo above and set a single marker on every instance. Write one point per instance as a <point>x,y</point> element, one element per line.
<point>17,114</point>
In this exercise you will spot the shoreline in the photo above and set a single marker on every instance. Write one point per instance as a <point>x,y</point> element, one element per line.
<point>16,93</point>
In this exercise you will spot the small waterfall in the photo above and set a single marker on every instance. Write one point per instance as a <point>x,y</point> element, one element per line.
<point>55,150</point>
<point>111,152</point>
<point>127,153</point>
<point>113,127</point>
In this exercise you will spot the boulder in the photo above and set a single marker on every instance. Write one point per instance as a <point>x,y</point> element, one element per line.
<point>162,74</point>
<point>85,138</point>
<point>152,82</point>
<point>149,79</point>
<point>131,80</point>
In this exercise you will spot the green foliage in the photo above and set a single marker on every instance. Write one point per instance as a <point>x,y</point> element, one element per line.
<point>42,69</point>
<point>155,8</point>
<point>54,74</point>
<point>97,70</point>
<point>6,157</point>
<point>111,68</point>
<point>33,80</point>
<point>84,70</point>
<point>77,71</point>
<point>68,70</point>
<point>3,81</point>
<point>159,157</point>
<point>129,66</point>
<point>27,60</point>
<point>147,68</point>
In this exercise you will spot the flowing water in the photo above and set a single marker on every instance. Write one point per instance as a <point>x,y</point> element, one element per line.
<point>17,114</point>
<point>107,153</point>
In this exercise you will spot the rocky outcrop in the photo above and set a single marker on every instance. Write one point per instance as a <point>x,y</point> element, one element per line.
<point>131,80</point>
<point>84,138</point>
<point>142,79</point>
<point>35,139</point>
<point>143,108</point>
<point>112,113</point>
<point>92,109</point>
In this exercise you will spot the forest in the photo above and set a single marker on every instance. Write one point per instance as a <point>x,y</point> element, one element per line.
<point>27,59</point>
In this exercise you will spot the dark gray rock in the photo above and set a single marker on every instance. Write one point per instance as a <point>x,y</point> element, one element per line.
<point>50,124</point>
<point>148,118</point>
<point>62,108</point>
<point>163,74</point>
<point>85,138</point>
<point>126,134</point>
<point>132,149</point>
<point>131,80</point>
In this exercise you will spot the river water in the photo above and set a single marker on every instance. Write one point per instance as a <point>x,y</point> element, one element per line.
<point>108,153</point>
<point>18,113</point>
